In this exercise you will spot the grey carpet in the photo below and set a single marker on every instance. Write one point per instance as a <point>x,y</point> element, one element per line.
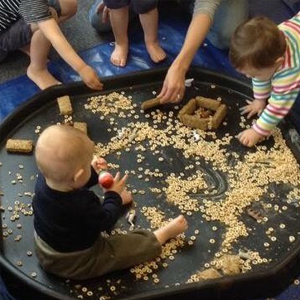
<point>77,30</point>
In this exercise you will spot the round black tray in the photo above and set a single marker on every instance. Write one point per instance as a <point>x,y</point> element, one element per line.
<point>42,110</point>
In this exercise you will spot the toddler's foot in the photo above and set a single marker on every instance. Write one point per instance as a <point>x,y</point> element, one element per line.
<point>172,229</point>
<point>156,53</point>
<point>42,78</point>
<point>119,55</point>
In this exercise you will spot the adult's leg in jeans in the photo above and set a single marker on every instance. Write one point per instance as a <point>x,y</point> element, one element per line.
<point>276,10</point>
<point>228,16</point>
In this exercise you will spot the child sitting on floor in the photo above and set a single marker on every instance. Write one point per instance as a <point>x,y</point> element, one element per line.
<point>69,219</point>
<point>32,26</point>
<point>270,56</point>
<point>119,18</point>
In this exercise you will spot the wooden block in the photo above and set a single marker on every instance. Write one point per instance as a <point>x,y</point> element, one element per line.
<point>189,108</point>
<point>203,113</point>
<point>208,103</point>
<point>150,103</point>
<point>195,122</point>
<point>65,106</point>
<point>81,126</point>
<point>219,116</point>
<point>19,146</point>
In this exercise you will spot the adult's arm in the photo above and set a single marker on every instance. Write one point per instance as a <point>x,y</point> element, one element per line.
<point>174,84</point>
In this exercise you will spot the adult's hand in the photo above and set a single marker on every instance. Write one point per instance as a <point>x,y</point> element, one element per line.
<point>173,87</point>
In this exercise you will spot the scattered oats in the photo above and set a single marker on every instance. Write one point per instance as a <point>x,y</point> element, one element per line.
<point>19,263</point>
<point>292,239</point>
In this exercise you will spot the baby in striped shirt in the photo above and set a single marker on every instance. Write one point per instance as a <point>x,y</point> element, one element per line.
<point>270,55</point>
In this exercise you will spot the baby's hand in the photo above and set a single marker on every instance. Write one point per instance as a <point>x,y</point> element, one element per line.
<point>119,184</point>
<point>249,137</point>
<point>126,197</point>
<point>99,164</point>
<point>254,107</point>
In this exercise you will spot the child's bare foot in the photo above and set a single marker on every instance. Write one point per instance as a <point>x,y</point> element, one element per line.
<point>119,55</point>
<point>172,229</point>
<point>156,53</point>
<point>41,77</point>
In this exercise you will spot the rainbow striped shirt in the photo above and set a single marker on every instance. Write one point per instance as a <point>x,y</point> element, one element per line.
<point>283,88</point>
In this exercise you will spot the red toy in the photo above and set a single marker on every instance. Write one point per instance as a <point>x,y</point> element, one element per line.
<point>105,179</point>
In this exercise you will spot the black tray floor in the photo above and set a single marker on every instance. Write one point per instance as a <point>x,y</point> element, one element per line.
<point>218,180</point>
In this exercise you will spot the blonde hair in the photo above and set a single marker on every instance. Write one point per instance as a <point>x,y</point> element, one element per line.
<point>60,152</point>
<point>256,43</point>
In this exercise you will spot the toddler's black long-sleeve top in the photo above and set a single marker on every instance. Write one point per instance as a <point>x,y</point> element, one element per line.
<point>72,221</point>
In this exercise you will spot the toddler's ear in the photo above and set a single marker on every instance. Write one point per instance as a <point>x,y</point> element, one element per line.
<point>78,175</point>
<point>279,60</point>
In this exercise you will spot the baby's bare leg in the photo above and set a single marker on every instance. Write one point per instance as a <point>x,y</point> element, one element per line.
<point>171,230</point>
<point>119,22</point>
<point>149,23</point>
<point>39,49</point>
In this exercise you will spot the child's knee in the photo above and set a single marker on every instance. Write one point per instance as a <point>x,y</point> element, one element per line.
<point>71,8</point>
<point>142,7</point>
<point>68,8</point>
<point>54,13</point>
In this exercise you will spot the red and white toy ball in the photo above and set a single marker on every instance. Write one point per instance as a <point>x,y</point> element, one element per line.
<point>105,179</point>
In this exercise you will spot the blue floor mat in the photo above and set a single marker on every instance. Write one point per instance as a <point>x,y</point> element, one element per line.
<point>172,31</point>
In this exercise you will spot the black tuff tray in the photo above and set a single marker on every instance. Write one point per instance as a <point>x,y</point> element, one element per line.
<point>42,110</point>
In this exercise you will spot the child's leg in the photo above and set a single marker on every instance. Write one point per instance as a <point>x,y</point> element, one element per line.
<point>39,49</point>
<point>119,22</point>
<point>171,230</point>
<point>68,9</point>
<point>149,23</point>
<point>65,10</point>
